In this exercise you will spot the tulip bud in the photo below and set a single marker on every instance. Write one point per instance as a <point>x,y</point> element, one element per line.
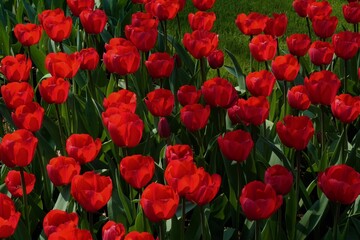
<point>164,128</point>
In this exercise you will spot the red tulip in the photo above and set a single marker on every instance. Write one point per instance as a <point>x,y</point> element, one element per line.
<point>160,65</point>
<point>56,220</point>
<point>160,102</point>
<point>90,59</point>
<point>219,92</point>
<point>139,236</point>
<point>351,12</point>
<point>28,116</point>
<point>252,24</point>
<point>92,191</point>
<point>15,94</point>
<point>322,8</point>
<point>27,34</point>
<point>295,132</point>
<point>346,108</point>
<point>83,148</point>
<point>188,94</point>
<point>122,99</point>
<point>322,87</point>
<point>194,116</point>
<point>16,69</point>
<point>179,152</point>
<point>300,6</point>
<point>54,90</point>
<point>125,129</point>
<point>277,25</point>
<point>298,44</point>
<point>159,202</point>
<point>61,170</point>
<point>163,9</point>
<point>324,26</point>
<point>77,6</point>
<point>201,20</point>
<point>345,44</point>
<point>63,65</point>
<point>254,110</point>
<point>321,53</point>
<point>18,148</point>
<point>56,25</point>
<point>182,177</point>
<point>14,185</point>
<point>200,43</point>
<point>71,233</point>
<point>259,200</point>
<point>164,128</point>
<point>207,189</point>
<point>203,5</point>
<point>216,59</point>
<point>236,145</point>
<point>298,98</point>
<point>9,216</point>
<point>113,231</point>
<point>260,83</point>
<point>285,67</point>
<point>340,183</point>
<point>263,47</point>
<point>279,178</point>
<point>93,21</point>
<point>137,170</point>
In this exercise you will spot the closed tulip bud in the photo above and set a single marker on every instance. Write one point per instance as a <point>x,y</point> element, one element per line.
<point>28,116</point>
<point>83,148</point>
<point>164,128</point>
<point>113,231</point>
<point>16,69</point>
<point>201,20</point>
<point>89,59</point>
<point>163,9</point>
<point>321,53</point>
<point>77,6</point>
<point>300,7</point>
<point>28,34</point>
<point>345,44</point>
<point>346,108</point>
<point>54,90</point>
<point>203,5</point>
<point>216,59</point>
<point>93,21</point>
<point>9,216</point>
<point>200,43</point>
<point>260,83</point>
<point>263,47</point>
<point>137,170</point>
<point>252,24</point>
<point>14,185</point>
<point>188,94</point>
<point>276,26</point>
<point>63,65</point>
<point>219,92</point>
<point>16,94</point>
<point>351,12</point>
<point>61,170</point>
<point>298,98</point>
<point>160,102</point>
<point>298,44</point>
<point>279,178</point>
<point>56,220</point>
<point>194,116</point>
<point>324,26</point>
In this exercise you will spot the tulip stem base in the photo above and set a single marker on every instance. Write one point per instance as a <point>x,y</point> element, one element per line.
<point>308,27</point>
<point>257,230</point>
<point>62,139</point>
<point>183,200</point>
<point>203,71</point>
<point>26,209</point>
<point>345,76</point>
<point>162,230</point>
<point>336,219</point>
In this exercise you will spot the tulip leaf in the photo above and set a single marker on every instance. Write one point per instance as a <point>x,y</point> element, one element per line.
<point>21,231</point>
<point>194,231</point>
<point>30,11</point>
<point>38,57</point>
<point>183,54</point>
<point>238,72</point>
<point>63,199</point>
<point>219,207</point>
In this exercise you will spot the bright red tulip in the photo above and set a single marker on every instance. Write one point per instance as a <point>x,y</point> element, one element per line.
<point>345,44</point>
<point>8,215</point>
<point>179,152</point>
<point>55,220</point>
<point>300,7</point>
<point>321,53</point>
<point>16,94</point>
<point>219,92</point>
<point>324,26</point>
<point>134,235</point>
<point>16,69</point>
<point>54,90</point>
<point>200,43</point>
<point>56,25</point>
<point>13,183</point>
<point>216,59</point>
<point>298,44</point>
<point>351,12</point>
<point>70,233</point>
<point>28,116</point>
<point>201,20</point>
<point>113,231</point>
<point>137,170</point>
<point>203,5</point>
<point>263,47</point>
<point>77,6</point>
<point>260,83</point>
<point>252,24</point>
<point>63,65</point>
<point>276,26</point>
<point>93,21</point>
<point>123,99</point>
<point>279,178</point>
<point>83,148</point>
<point>28,34</point>
<point>163,9</point>
<point>61,170</point>
<point>160,65</point>
<point>315,9</point>
<point>285,67</point>
<point>89,59</point>
<point>298,98</point>
<point>188,94</point>
<point>346,108</point>
<point>160,102</point>
<point>194,116</point>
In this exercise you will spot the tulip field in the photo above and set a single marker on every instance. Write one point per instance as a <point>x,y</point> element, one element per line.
<point>171,119</point>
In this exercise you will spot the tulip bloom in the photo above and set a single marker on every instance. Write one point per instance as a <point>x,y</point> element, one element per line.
<point>16,69</point>
<point>28,116</point>
<point>92,191</point>
<point>63,65</point>
<point>77,6</point>
<point>61,170</point>
<point>285,67</point>
<point>159,202</point>
<point>260,83</point>
<point>252,24</point>
<point>276,26</point>
<point>216,59</point>
<point>236,145</point>
<point>195,116</point>
<point>295,132</point>
<point>56,25</point>
<point>351,12</point>
<point>89,59</point>
<point>279,178</point>
<point>179,152</point>
<point>219,92</point>
<point>340,183</point>
<point>134,235</point>
<point>315,9</point>
<point>27,34</point>
<point>16,94</point>
<point>160,102</point>
<point>123,99</point>
<point>18,148</point>
<point>201,20</point>
<point>345,44</point>
<point>55,220</point>
<point>71,233</point>
<point>259,200</point>
<point>137,170</point>
<point>8,215</point>
<point>346,108</point>
<point>263,47</point>
<point>298,98</point>
<point>54,90</point>
<point>200,43</point>
<point>93,21</point>
<point>163,9</point>
<point>324,26</point>
<point>188,94</point>
<point>322,87</point>
<point>83,148</point>
<point>113,231</point>
<point>203,5</point>
<point>160,65</point>
<point>14,185</point>
<point>298,44</point>
<point>300,7</point>
<point>321,53</point>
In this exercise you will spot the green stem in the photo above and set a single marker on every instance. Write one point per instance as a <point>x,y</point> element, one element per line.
<point>183,218</point>
<point>46,180</point>
<point>285,98</point>
<point>61,47</point>
<point>165,35</point>
<point>250,56</point>
<point>126,82</point>
<point>162,230</point>
<point>257,230</point>
<point>2,131</point>
<point>202,220</point>
<point>203,70</point>
<point>278,224</point>
<point>308,27</point>
<point>277,47</point>
<point>336,219</point>
<point>91,223</point>
<point>322,129</point>
<point>266,65</point>
<point>26,208</point>
<point>218,72</point>
<point>238,196</point>
<point>62,139</point>
<point>345,77</point>
<point>179,25</point>
<point>345,148</point>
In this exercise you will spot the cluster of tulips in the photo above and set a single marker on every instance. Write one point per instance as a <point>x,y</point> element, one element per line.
<point>139,156</point>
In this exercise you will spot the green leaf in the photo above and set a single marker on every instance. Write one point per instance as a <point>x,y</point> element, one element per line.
<point>238,72</point>
<point>63,199</point>
<point>38,58</point>
<point>219,207</point>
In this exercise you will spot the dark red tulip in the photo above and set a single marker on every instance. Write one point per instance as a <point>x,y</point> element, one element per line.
<point>134,235</point>
<point>252,24</point>
<point>201,20</point>
<point>89,59</point>
<point>219,92</point>
<point>28,116</point>
<point>345,44</point>
<point>123,99</point>
<point>16,69</point>
<point>188,94</point>
<point>351,12</point>
<point>254,110</point>
<point>203,5</point>
<point>280,178</point>
<point>137,170</point>
<point>285,67</point>
<point>164,128</point>
<point>300,7</point>
<point>163,9</point>
<point>9,216</point>
<point>179,152</point>
<point>194,116</point>
<point>77,6</point>
<point>159,202</point>
<point>321,53</point>
<point>324,26</point>
<point>113,231</point>
<point>200,43</point>
<point>276,26</point>
<point>63,65</point>
<point>260,83</point>
<point>18,148</point>
<point>322,87</point>
<point>93,21</point>
<point>315,9</point>
<point>295,132</point>
<point>298,44</point>
<point>13,183</point>
<point>160,102</point>
<point>346,108</point>
<point>56,25</point>
<point>160,65</point>
<point>15,94</point>
<point>259,200</point>
<point>55,220</point>
<point>27,34</point>
<point>236,145</point>
<point>83,148</point>
<point>61,170</point>
<point>263,47</point>
<point>298,98</point>
<point>216,59</point>
<point>92,191</point>
<point>54,90</point>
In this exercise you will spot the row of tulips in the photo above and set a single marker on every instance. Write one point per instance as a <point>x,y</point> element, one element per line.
<point>123,138</point>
